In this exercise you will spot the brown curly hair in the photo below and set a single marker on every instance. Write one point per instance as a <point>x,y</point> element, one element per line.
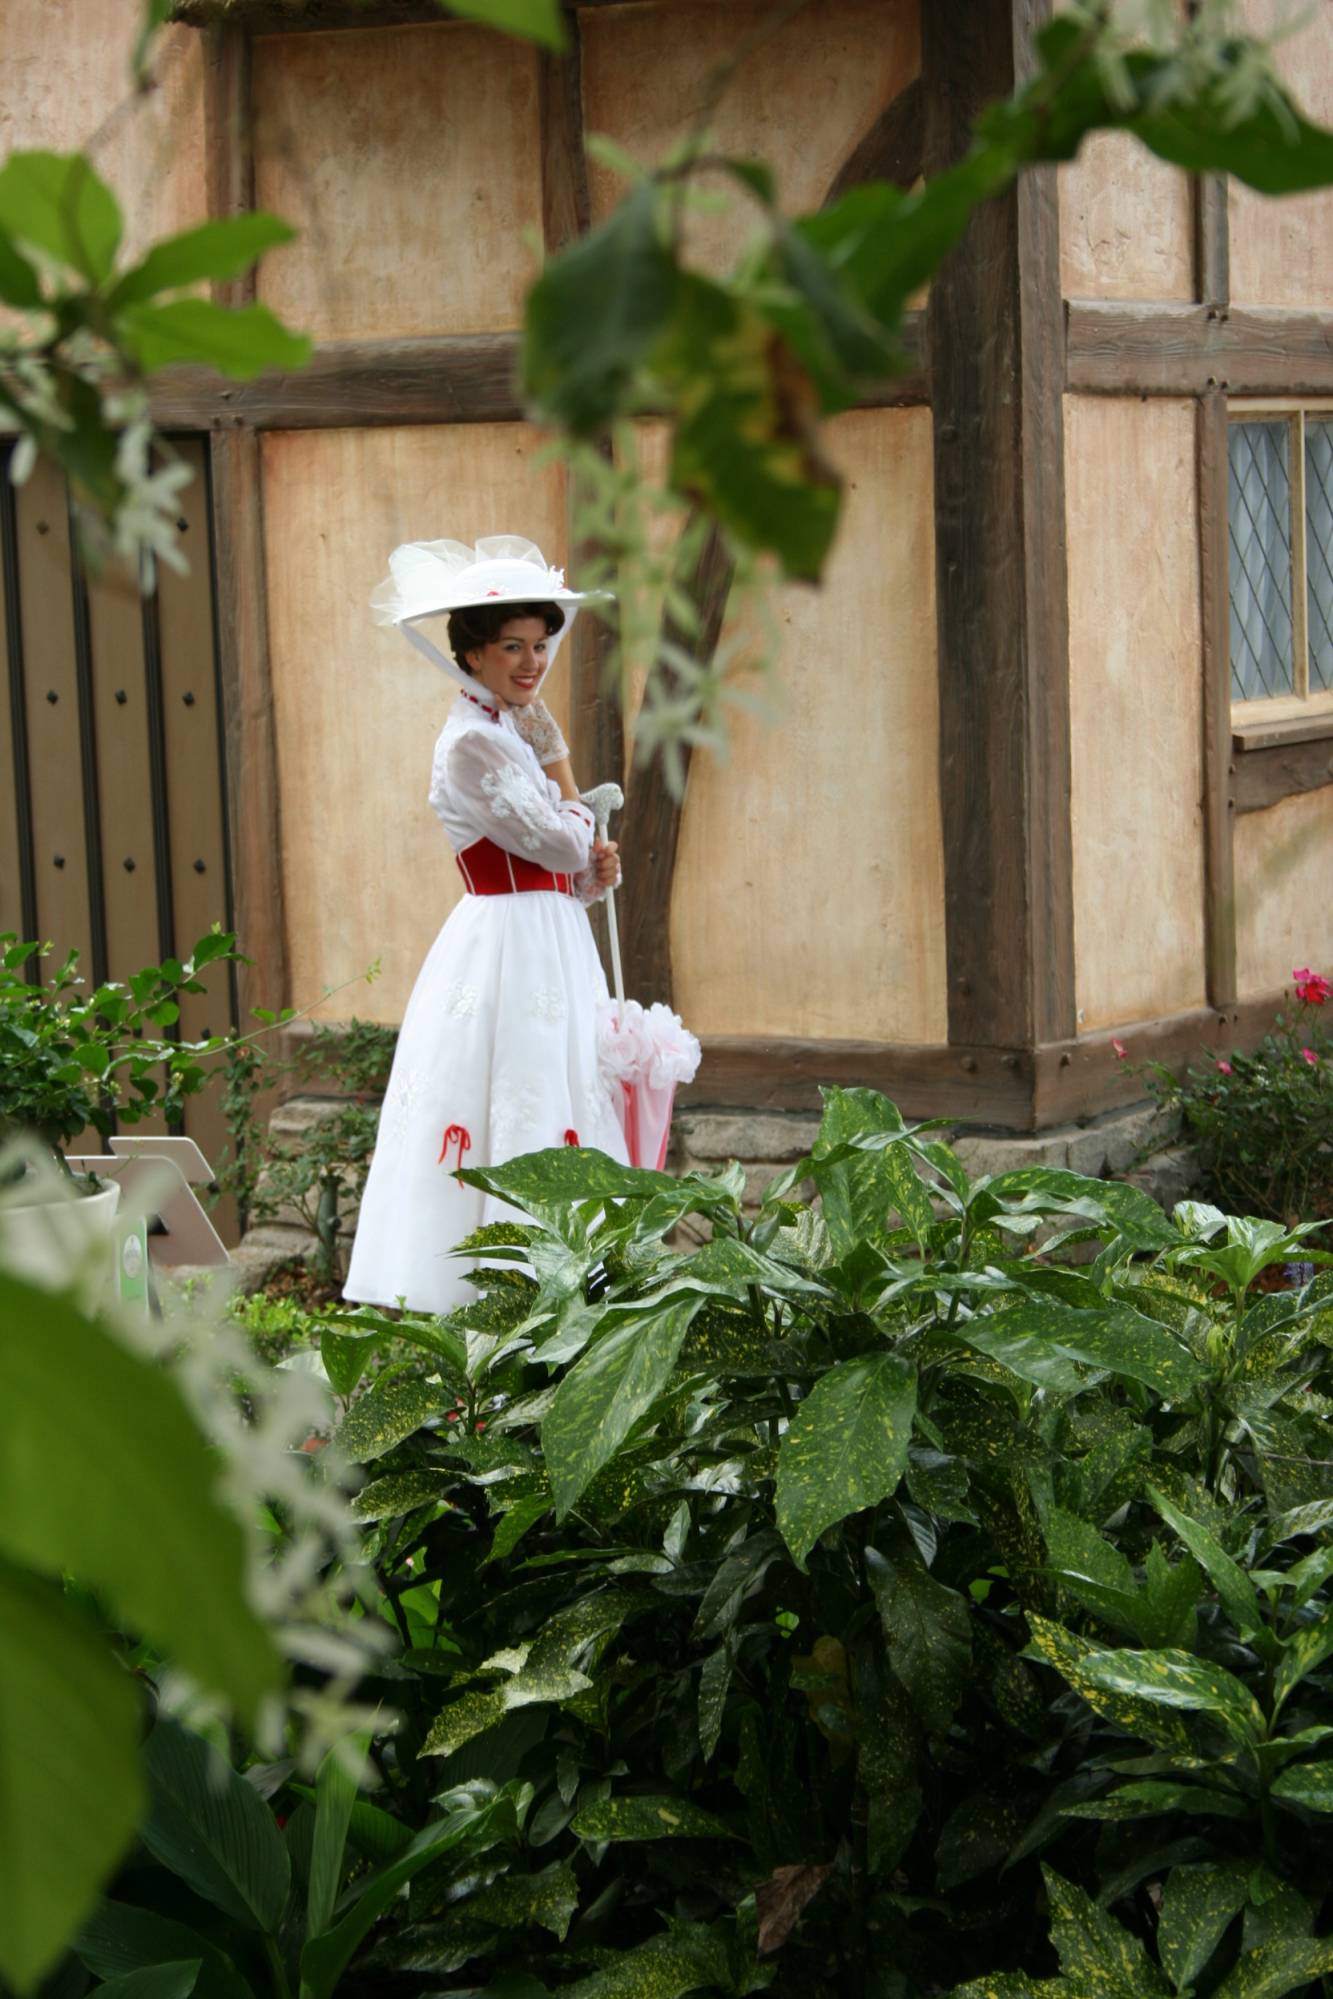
<point>477,624</point>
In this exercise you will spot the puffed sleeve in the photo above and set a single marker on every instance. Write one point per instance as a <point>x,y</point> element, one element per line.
<point>520,812</point>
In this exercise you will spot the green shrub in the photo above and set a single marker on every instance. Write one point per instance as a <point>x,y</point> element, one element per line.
<point>860,1603</point>
<point>324,1176</point>
<point>1263,1123</point>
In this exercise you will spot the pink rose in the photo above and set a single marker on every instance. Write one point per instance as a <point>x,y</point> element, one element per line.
<point>1309,1056</point>
<point>1121,1052</point>
<point>1311,987</point>
<point>1224,1068</point>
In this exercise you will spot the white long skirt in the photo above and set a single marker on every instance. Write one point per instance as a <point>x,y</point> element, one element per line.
<point>497,1057</point>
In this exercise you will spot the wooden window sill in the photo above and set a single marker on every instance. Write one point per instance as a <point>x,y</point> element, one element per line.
<point>1280,757</point>
<point>1279,731</point>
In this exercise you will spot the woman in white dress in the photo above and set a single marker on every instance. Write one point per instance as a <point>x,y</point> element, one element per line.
<point>498,1050</point>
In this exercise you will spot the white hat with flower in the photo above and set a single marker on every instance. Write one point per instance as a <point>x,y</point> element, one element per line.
<point>429,579</point>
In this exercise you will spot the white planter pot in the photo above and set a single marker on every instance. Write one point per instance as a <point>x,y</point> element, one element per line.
<point>63,1243</point>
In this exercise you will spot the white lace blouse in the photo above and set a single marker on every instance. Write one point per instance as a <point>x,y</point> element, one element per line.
<point>487,784</point>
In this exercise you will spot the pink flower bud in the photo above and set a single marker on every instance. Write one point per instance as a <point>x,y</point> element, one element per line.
<point>1309,1055</point>
<point>1121,1052</point>
<point>1224,1068</point>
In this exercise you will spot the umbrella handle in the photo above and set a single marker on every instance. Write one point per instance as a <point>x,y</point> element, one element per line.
<point>613,937</point>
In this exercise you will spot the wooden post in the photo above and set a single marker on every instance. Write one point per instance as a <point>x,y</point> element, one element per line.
<point>1219,803</point>
<point>254,815</point>
<point>597,729</point>
<point>996,348</point>
<point>1212,289</point>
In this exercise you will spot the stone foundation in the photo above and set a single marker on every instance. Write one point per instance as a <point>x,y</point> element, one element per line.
<point>1138,1144</point>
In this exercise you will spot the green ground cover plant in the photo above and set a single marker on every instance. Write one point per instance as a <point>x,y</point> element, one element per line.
<point>872,1600</point>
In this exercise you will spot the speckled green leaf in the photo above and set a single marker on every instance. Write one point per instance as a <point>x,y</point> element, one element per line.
<point>564,1636</point>
<point>1308,1784</point>
<point>1234,1588</point>
<point>1308,1649</point>
<point>687,1959</point>
<point>475,1712</point>
<point>1010,1985</point>
<point>845,1449</point>
<point>714,1680</point>
<point>1176,1679</point>
<point>1090,1567</point>
<point>514,1524</point>
<point>1054,1190</point>
<point>607,1391</point>
<point>1198,1902</point>
<point>1312,1519</point>
<point>1071,1657</point>
<point>858,1193</point>
<point>565,1174</point>
<point>888,1746</point>
<point>647,1818</point>
<point>732,1268</point>
<point>515,1901</point>
<point>1285,1965</point>
<point>384,1416</point>
<point>1038,1339</point>
<point>1097,1956</point>
<point>386,1498</point>
<point>928,1631</point>
<point>1150,1799</point>
<point>976,1837</point>
<point>345,1357</point>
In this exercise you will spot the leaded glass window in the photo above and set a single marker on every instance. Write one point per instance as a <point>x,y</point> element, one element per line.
<point>1280,519</point>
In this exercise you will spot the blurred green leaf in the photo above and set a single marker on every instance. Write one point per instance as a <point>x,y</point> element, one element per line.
<point>239,341</point>
<point>55,202</point>
<point>104,1474</point>
<point>220,249</point>
<point>72,1792</point>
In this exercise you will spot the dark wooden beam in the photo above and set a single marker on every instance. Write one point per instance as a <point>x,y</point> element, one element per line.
<point>1114,349</point>
<point>1266,776</point>
<point>893,149</point>
<point>1212,240</point>
<point>596,720</point>
<point>240,597</point>
<point>654,816</point>
<point>1219,886</point>
<point>1084,1077</point>
<point>254,801</point>
<point>280,17</point>
<point>1012,1089</point>
<point>996,350</point>
<point>444,378</point>
<point>229,153</point>
<point>990,1085</point>
<point>355,385</point>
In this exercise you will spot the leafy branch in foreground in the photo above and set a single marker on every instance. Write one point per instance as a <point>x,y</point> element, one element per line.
<point>85,334</point>
<point>745,368</point>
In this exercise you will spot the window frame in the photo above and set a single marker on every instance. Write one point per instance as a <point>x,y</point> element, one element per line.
<point>1270,721</point>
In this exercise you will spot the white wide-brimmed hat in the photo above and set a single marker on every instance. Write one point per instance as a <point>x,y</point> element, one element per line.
<point>428,579</point>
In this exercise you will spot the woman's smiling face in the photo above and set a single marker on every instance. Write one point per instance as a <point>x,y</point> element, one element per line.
<point>511,666</point>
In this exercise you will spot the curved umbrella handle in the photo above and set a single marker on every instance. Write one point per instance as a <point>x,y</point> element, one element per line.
<point>604,800</point>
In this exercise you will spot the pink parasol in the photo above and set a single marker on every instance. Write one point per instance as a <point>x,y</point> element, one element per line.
<point>645,1052</point>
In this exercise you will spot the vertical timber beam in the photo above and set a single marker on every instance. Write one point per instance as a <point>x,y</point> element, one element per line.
<point>995,342</point>
<point>596,724</point>
<point>1212,285</point>
<point>254,822</point>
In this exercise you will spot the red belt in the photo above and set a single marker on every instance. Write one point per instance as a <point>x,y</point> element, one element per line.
<point>490,870</point>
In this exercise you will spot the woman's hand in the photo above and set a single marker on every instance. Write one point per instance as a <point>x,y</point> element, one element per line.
<point>606,862</point>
